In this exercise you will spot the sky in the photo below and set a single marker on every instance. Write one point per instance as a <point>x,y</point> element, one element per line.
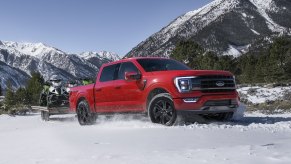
<point>76,26</point>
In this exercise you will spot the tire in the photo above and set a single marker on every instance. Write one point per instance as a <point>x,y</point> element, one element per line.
<point>161,109</point>
<point>85,117</point>
<point>45,116</point>
<point>43,100</point>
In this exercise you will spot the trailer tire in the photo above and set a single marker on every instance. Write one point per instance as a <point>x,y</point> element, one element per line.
<point>45,116</point>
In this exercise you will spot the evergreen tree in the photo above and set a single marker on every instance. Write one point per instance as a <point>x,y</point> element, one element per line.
<point>0,90</point>
<point>34,88</point>
<point>188,52</point>
<point>287,67</point>
<point>262,69</point>
<point>260,65</point>
<point>279,58</point>
<point>21,96</point>
<point>208,61</point>
<point>225,63</point>
<point>9,100</point>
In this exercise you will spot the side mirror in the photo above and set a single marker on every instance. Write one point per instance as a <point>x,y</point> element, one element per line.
<point>132,76</point>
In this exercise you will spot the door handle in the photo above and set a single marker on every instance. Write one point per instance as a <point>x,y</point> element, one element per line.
<point>117,87</point>
<point>98,89</point>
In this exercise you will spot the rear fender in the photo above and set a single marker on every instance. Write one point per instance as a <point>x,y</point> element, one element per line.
<point>82,96</point>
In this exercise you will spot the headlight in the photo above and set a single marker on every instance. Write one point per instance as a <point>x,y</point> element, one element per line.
<point>183,84</point>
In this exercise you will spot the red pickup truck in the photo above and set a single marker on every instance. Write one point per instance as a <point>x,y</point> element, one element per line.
<point>162,88</point>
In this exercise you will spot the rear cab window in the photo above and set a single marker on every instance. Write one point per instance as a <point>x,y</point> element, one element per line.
<point>109,73</point>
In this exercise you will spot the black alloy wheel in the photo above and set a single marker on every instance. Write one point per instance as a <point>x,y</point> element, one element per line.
<point>162,110</point>
<point>85,117</point>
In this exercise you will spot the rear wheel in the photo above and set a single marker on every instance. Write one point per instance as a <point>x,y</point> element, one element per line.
<point>161,109</point>
<point>85,116</point>
<point>45,115</point>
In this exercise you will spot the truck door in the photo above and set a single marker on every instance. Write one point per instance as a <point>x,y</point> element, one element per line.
<point>105,91</point>
<point>129,92</point>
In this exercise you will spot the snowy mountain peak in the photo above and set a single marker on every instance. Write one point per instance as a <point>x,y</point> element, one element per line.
<point>221,26</point>
<point>24,58</point>
<point>102,54</point>
<point>263,4</point>
<point>31,49</point>
<point>207,14</point>
<point>109,55</point>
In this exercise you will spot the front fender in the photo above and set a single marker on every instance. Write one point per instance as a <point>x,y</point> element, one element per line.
<point>158,85</point>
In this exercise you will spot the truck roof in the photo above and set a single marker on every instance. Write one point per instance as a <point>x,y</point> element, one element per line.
<point>131,59</point>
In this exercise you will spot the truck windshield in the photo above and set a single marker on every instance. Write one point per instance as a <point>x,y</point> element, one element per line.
<point>151,65</point>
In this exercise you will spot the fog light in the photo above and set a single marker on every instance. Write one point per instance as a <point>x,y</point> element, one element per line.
<point>191,100</point>
<point>183,88</point>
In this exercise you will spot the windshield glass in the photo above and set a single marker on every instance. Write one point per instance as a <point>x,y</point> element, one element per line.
<point>151,65</point>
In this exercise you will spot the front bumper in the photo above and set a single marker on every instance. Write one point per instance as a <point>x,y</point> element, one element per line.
<point>208,110</point>
<point>207,104</point>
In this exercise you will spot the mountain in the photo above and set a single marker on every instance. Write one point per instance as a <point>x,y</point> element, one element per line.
<point>15,76</point>
<point>227,27</point>
<point>18,60</point>
<point>98,58</point>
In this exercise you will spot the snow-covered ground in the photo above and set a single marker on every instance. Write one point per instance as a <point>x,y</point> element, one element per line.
<point>256,138</point>
<point>257,95</point>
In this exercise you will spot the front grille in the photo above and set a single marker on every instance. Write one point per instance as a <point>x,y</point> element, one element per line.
<point>214,83</point>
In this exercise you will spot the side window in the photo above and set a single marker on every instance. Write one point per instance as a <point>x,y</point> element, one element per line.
<point>109,73</point>
<point>126,67</point>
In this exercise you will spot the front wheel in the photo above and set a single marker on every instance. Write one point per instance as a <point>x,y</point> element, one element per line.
<point>162,110</point>
<point>85,117</point>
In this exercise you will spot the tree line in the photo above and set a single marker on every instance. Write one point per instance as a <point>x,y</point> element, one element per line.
<point>23,97</point>
<point>271,65</point>
<point>0,89</point>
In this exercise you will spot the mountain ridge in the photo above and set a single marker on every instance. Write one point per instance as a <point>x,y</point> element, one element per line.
<point>222,26</point>
<point>31,57</point>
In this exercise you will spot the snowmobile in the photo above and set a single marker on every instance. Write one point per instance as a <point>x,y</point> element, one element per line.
<point>86,81</point>
<point>54,99</point>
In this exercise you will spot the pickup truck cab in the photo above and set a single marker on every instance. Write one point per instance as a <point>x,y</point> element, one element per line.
<point>162,88</point>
